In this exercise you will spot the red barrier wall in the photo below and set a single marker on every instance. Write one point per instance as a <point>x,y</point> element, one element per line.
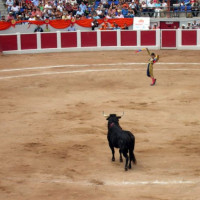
<point>8,42</point>
<point>128,38</point>
<point>168,38</point>
<point>48,40</point>
<point>189,37</point>
<point>88,39</point>
<point>28,41</point>
<point>68,39</point>
<point>148,38</point>
<point>108,38</point>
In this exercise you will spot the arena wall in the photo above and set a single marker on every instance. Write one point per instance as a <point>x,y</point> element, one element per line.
<point>18,43</point>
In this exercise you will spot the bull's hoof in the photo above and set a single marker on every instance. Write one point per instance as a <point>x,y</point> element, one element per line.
<point>121,160</point>
<point>113,159</point>
<point>129,167</point>
<point>126,168</point>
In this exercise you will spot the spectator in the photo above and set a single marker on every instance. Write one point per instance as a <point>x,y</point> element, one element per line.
<point>116,27</point>
<point>157,8</point>
<point>103,2</point>
<point>10,17</point>
<point>89,16</point>
<point>48,6</point>
<point>96,16</point>
<point>195,25</point>
<point>34,12</point>
<point>19,18</point>
<point>108,16</point>
<point>83,7</point>
<point>99,12</point>
<point>93,12</point>
<point>41,7</point>
<point>143,7</point>
<point>38,29</point>
<point>60,7</point>
<point>68,8</point>
<point>31,18</point>
<point>137,9</point>
<point>66,16</point>
<point>195,8</point>
<point>103,27</point>
<point>119,16</point>
<point>164,7</point>
<point>83,17</point>
<point>125,11</point>
<point>87,12</point>
<point>132,5</point>
<point>151,8</point>
<point>3,19</point>
<point>15,9</point>
<point>79,12</point>
<point>94,24</point>
<point>47,28</point>
<point>9,4</point>
<point>106,5</point>
<point>125,27</point>
<point>38,12</point>
<point>71,27</point>
<point>35,2</point>
<point>182,26</point>
<point>189,25</point>
<point>155,26</point>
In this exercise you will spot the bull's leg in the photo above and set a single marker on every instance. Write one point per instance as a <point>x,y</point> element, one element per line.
<point>113,152</point>
<point>120,154</point>
<point>126,156</point>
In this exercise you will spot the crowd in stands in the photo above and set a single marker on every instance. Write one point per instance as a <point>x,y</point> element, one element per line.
<point>81,9</point>
<point>194,25</point>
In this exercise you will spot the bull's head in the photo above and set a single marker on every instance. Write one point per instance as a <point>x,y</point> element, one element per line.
<point>113,119</point>
<point>112,115</point>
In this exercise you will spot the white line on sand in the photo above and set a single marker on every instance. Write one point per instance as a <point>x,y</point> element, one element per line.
<point>122,183</point>
<point>86,71</point>
<point>90,65</point>
<point>64,180</point>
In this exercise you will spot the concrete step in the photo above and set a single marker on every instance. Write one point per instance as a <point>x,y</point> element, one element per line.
<point>3,9</point>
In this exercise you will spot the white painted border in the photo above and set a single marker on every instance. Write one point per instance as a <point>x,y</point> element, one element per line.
<point>98,38</point>
<point>198,37</point>
<point>78,35</point>
<point>58,40</point>
<point>64,180</point>
<point>38,43</point>
<point>119,38</point>
<point>87,71</point>
<point>19,41</point>
<point>122,183</point>
<point>91,65</point>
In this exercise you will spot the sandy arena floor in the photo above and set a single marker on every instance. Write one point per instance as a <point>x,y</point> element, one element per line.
<point>54,137</point>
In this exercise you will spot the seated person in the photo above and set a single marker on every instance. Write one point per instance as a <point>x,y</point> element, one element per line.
<point>38,29</point>
<point>124,27</point>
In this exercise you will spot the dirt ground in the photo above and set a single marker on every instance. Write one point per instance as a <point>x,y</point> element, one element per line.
<point>54,137</point>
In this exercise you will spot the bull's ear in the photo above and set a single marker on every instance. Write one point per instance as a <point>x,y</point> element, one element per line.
<point>107,118</point>
<point>119,117</point>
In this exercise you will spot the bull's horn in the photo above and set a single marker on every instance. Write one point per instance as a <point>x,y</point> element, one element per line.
<point>104,114</point>
<point>121,115</point>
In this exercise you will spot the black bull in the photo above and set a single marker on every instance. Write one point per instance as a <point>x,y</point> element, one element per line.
<point>118,138</point>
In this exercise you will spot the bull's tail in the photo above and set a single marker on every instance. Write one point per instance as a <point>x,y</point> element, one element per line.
<point>134,159</point>
<point>132,155</point>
